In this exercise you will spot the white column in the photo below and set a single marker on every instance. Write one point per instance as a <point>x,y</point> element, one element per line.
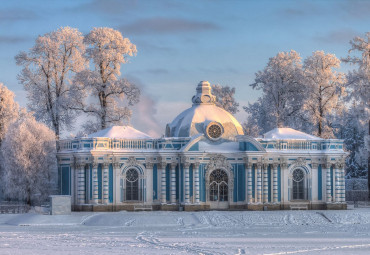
<point>337,184</point>
<point>259,183</point>
<point>149,183</point>
<point>284,182</point>
<point>173,183</point>
<point>315,183</point>
<point>81,184</point>
<point>105,197</point>
<point>275,182</point>
<point>116,182</point>
<point>187,183</point>
<point>328,184</point>
<point>95,186</point>
<point>265,184</point>
<point>163,183</point>
<point>343,186</point>
<point>249,183</point>
<point>196,182</point>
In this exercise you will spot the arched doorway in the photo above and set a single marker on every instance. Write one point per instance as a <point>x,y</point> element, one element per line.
<point>299,186</point>
<point>132,185</point>
<point>219,189</point>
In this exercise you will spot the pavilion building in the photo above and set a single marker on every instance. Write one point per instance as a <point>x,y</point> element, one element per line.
<point>203,162</point>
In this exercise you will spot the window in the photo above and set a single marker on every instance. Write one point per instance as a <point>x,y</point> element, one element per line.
<point>214,131</point>
<point>299,192</point>
<point>132,185</point>
<point>218,188</point>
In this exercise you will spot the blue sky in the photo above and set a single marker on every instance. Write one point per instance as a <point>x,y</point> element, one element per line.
<point>183,42</point>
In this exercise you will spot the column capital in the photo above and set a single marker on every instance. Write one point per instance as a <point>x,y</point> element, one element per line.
<point>248,165</point>
<point>196,164</point>
<point>315,165</point>
<point>259,165</point>
<point>162,165</point>
<point>94,164</point>
<point>327,165</point>
<point>186,164</point>
<point>105,165</point>
<point>149,165</point>
<point>275,166</point>
<point>173,165</point>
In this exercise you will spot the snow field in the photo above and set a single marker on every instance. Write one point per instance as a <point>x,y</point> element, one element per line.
<point>212,232</point>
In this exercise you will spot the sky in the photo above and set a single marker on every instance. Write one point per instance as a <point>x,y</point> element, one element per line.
<point>183,42</point>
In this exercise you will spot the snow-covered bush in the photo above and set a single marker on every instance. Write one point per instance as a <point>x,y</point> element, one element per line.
<point>28,159</point>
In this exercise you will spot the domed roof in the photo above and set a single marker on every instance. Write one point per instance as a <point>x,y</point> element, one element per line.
<point>204,117</point>
<point>120,132</point>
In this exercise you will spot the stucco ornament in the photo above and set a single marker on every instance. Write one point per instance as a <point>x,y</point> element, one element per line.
<point>132,161</point>
<point>218,161</point>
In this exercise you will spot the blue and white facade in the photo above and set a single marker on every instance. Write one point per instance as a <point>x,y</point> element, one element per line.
<point>203,162</point>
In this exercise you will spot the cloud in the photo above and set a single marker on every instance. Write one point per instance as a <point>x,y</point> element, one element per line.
<point>150,47</point>
<point>12,39</point>
<point>338,36</point>
<point>356,9</point>
<point>13,15</point>
<point>109,7</point>
<point>162,25</point>
<point>302,8</point>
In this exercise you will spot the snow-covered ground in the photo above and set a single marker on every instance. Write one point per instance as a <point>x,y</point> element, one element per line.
<point>214,232</point>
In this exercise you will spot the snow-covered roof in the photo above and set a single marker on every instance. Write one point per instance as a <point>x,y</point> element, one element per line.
<point>195,119</point>
<point>121,132</point>
<point>289,134</point>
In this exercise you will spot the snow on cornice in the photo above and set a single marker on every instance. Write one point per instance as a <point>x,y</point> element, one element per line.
<point>120,132</point>
<point>288,134</point>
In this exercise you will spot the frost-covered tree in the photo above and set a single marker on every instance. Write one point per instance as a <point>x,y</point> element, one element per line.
<point>48,68</point>
<point>225,98</point>
<point>358,87</point>
<point>359,79</point>
<point>281,85</point>
<point>323,87</point>
<point>8,110</point>
<point>353,133</point>
<point>28,158</point>
<point>107,50</point>
<point>258,120</point>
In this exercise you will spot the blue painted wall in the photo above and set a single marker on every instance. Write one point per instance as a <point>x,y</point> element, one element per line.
<point>100,181</point>
<point>319,183</point>
<point>168,182</point>
<point>191,179</point>
<point>332,181</point>
<point>279,183</point>
<point>253,181</point>
<point>110,183</point>
<point>66,180</point>
<point>155,182</point>
<point>202,182</point>
<point>269,182</point>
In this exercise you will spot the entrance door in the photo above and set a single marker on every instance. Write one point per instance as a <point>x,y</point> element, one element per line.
<point>219,190</point>
<point>298,185</point>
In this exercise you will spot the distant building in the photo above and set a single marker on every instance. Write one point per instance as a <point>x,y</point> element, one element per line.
<point>204,162</point>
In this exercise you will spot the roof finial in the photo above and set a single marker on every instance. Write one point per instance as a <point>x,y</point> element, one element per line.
<point>204,95</point>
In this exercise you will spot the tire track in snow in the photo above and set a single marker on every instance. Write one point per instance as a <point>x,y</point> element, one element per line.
<point>149,238</point>
<point>321,249</point>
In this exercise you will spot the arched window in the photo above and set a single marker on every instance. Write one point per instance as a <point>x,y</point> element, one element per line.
<point>218,187</point>
<point>132,185</point>
<point>299,189</point>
